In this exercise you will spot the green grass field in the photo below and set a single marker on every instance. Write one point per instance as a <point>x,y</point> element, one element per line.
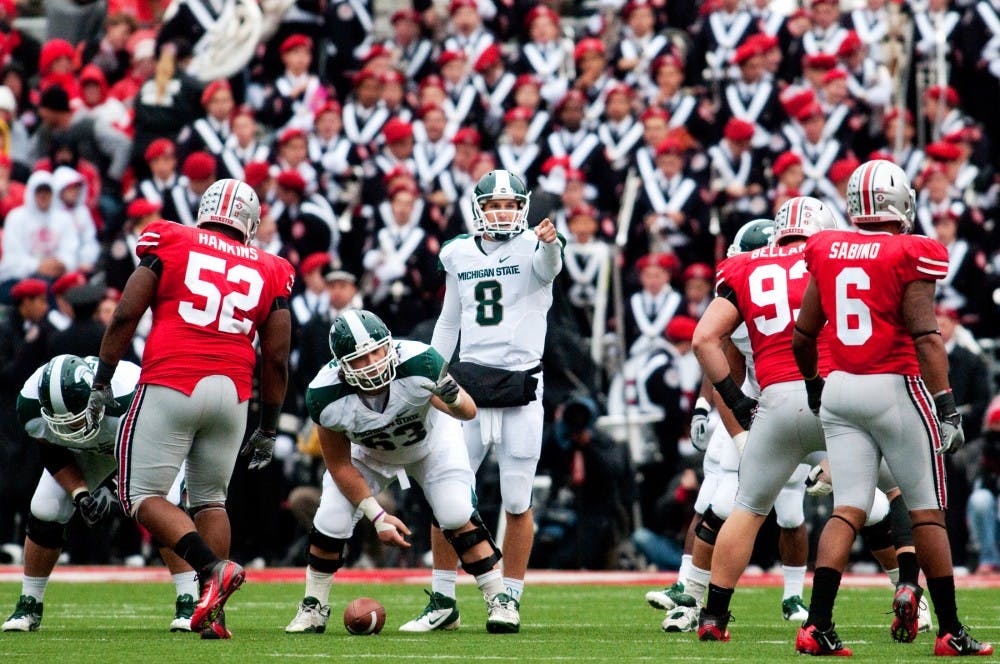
<point>106,623</point>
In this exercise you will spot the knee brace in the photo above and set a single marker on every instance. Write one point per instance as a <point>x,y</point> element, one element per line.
<point>902,525</point>
<point>48,534</point>
<point>879,535</point>
<point>329,545</point>
<point>709,527</point>
<point>462,542</point>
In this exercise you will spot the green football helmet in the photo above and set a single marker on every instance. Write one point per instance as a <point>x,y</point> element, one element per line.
<point>752,235</point>
<point>500,185</point>
<point>355,334</point>
<point>63,391</point>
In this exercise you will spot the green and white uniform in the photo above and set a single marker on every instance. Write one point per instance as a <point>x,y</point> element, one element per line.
<point>394,434</point>
<point>497,296</point>
<point>95,457</point>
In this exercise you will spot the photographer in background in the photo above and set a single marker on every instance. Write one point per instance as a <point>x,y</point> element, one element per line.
<point>592,489</point>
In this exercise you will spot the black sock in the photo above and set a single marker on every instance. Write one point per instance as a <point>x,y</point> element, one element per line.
<point>826,583</point>
<point>718,600</point>
<point>909,571</point>
<point>942,591</point>
<point>195,552</point>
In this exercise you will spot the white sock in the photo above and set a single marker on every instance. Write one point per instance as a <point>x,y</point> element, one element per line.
<point>697,583</point>
<point>794,578</point>
<point>490,583</point>
<point>34,586</point>
<point>514,587</point>
<point>186,583</point>
<point>893,575</point>
<point>685,571</point>
<point>318,585</point>
<point>443,582</point>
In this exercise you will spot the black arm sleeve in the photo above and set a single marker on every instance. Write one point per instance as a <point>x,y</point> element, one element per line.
<point>153,262</point>
<point>726,291</point>
<point>55,458</point>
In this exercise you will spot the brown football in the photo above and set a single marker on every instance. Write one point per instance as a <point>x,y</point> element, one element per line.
<point>364,616</point>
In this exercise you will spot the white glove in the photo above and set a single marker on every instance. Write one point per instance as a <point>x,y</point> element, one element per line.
<point>816,482</point>
<point>699,424</point>
<point>445,389</point>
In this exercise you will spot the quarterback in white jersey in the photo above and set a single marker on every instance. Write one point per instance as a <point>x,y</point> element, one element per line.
<point>373,406</point>
<point>498,290</point>
<point>78,464</point>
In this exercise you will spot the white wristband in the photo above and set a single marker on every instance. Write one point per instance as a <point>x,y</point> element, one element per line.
<point>375,513</point>
<point>702,403</point>
<point>740,440</point>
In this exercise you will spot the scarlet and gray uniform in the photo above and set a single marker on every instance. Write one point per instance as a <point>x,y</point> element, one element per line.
<point>766,286</point>
<point>95,457</point>
<point>875,403</point>
<point>213,293</point>
<point>722,461</point>
<point>498,295</point>
<point>406,436</point>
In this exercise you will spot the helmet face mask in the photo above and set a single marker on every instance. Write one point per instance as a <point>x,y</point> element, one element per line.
<point>752,235</point>
<point>879,192</point>
<point>801,217</point>
<point>356,334</point>
<point>500,224</point>
<point>63,392</point>
<point>231,203</point>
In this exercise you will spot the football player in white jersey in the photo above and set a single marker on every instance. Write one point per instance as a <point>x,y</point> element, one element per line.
<point>373,407</point>
<point>498,290</point>
<point>79,462</point>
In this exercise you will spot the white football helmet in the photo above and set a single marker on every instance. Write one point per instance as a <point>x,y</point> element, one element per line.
<point>879,191</point>
<point>500,185</point>
<point>801,217</point>
<point>231,203</point>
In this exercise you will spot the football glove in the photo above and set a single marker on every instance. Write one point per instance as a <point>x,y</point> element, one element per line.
<point>261,446</point>
<point>699,424</point>
<point>445,389</point>
<point>814,393</point>
<point>94,506</point>
<point>101,396</point>
<point>949,423</point>
<point>816,486</point>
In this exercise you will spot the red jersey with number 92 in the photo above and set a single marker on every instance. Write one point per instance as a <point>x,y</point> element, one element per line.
<point>861,277</point>
<point>213,294</point>
<point>768,285</point>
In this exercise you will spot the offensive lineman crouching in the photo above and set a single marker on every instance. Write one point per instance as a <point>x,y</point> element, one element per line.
<point>373,407</point>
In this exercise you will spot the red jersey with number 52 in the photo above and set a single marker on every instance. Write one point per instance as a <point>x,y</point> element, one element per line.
<point>213,294</point>
<point>861,277</point>
<point>767,286</point>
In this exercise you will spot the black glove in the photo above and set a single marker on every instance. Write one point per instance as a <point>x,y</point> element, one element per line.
<point>101,396</point>
<point>742,406</point>
<point>445,389</point>
<point>94,507</point>
<point>814,390</point>
<point>261,444</point>
<point>949,423</point>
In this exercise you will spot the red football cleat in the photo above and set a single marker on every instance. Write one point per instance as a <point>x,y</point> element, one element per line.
<point>217,630</point>
<point>713,628</point>
<point>906,607</point>
<point>961,645</point>
<point>223,580</point>
<point>812,641</point>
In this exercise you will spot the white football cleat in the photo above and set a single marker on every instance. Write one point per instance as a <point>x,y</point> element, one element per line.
<point>505,616</point>
<point>924,622</point>
<point>681,619</point>
<point>670,597</point>
<point>184,609</point>
<point>310,619</point>
<point>27,616</point>
<point>793,609</point>
<point>441,612</point>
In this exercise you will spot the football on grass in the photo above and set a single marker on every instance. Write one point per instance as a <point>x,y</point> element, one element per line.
<point>364,616</point>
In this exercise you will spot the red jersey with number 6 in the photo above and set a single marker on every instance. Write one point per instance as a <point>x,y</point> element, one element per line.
<point>213,294</point>
<point>861,277</point>
<point>767,286</point>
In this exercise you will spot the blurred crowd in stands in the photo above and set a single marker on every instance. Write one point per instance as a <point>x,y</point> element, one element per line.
<point>649,132</point>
